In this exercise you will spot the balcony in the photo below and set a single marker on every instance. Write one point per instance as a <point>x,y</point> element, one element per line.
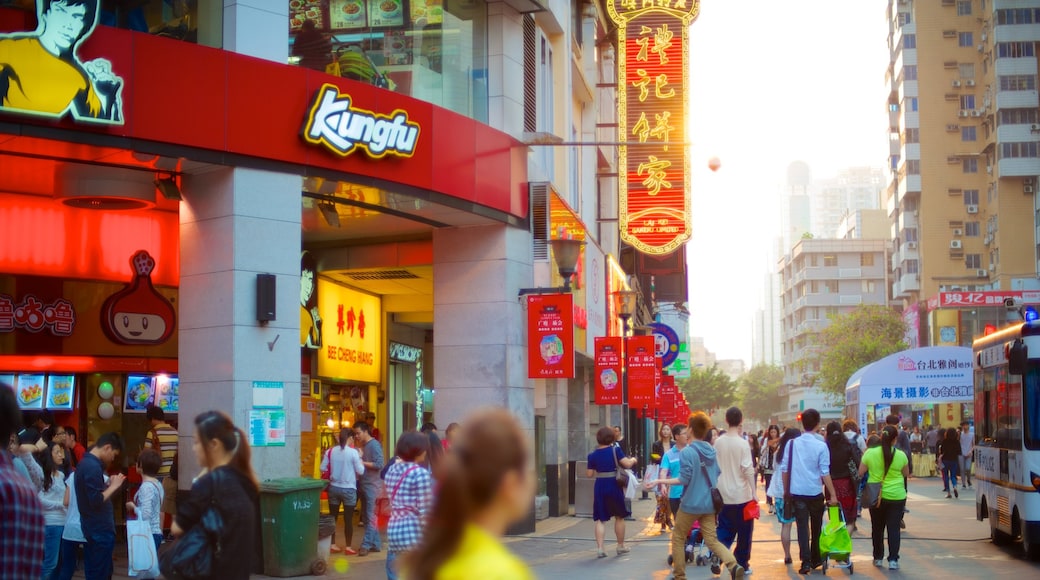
<point>1017,100</point>
<point>907,219</point>
<point>1018,167</point>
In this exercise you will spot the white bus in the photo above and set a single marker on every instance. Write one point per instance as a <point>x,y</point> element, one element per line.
<point>1007,433</point>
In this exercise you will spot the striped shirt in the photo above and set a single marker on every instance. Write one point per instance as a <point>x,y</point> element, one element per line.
<point>21,519</point>
<point>167,438</point>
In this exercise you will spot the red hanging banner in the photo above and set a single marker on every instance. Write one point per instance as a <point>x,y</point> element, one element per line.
<point>608,370</point>
<point>642,364</point>
<point>666,403</point>
<point>550,336</point>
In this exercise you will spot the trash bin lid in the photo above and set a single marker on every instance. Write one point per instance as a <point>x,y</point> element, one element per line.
<point>291,484</point>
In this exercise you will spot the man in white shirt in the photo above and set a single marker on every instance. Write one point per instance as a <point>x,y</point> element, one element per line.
<point>967,453</point>
<point>805,465</point>
<point>737,486</point>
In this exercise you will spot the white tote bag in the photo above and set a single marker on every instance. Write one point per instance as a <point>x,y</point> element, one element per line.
<point>633,485</point>
<point>144,561</point>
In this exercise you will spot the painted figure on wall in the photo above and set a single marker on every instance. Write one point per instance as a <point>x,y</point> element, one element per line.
<point>310,320</point>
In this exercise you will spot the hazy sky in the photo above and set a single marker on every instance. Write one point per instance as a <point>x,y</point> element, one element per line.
<point>771,82</point>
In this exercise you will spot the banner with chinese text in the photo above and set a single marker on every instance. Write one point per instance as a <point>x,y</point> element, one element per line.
<point>550,336</point>
<point>642,370</point>
<point>653,96</point>
<point>608,370</point>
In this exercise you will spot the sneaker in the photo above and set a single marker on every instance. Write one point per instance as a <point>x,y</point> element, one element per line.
<point>601,554</point>
<point>622,550</point>
<point>902,524</point>
<point>747,571</point>
<point>363,552</point>
<point>879,563</point>
<point>736,572</point>
<point>893,564</point>
<point>805,570</point>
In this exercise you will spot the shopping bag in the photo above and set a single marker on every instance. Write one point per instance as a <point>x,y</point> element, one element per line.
<point>633,485</point>
<point>140,546</point>
<point>835,538</point>
<point>752,511</point>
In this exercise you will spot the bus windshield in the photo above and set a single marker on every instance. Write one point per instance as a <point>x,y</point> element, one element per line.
<point>1031,405</point>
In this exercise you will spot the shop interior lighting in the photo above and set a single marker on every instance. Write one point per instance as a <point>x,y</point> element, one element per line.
<point>328,211</point>
<point>168,187</point>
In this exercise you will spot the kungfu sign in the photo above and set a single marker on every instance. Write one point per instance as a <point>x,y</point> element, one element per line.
<point>652,101</point>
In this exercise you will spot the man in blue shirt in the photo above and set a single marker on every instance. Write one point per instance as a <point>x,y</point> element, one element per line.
<point>94,496</point>
<point>670,465</point>
<point>802,479</point>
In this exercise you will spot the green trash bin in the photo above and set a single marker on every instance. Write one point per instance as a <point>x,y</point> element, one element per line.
<point>289,510</point>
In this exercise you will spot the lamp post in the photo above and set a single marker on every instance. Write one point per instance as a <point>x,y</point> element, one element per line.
<point>624,305</point>
<point>565,253</point>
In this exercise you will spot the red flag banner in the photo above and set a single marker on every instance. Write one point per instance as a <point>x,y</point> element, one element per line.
<point>642,364</point>
<point>667,402</point>
<point>550,336</point>
<point>608,370</point>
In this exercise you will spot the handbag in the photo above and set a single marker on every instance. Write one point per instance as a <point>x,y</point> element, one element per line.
<point>716,495</point>
<point>326,473</point>
<point>871,497</point>
<point>193,554</point>
<point>620,473</point>
<point>384,502</point>
<point>143,561</point>
<point>788,498</point>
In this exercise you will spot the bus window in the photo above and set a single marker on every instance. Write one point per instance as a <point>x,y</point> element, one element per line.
<point>1031,407</point>
<point>1009,410</point>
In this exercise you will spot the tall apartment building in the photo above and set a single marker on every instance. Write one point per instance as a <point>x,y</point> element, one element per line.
<point>963,158</point>
<point>854,188</point>
<point>765,326</point>
<point>796,212</point>
<point>821,279</point>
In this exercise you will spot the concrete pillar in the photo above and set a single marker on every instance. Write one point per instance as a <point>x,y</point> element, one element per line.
<point>235,224</point>
<point>258,28</point>
<point>505,69</point>
<point>556,448</point>
<point>580,442</point>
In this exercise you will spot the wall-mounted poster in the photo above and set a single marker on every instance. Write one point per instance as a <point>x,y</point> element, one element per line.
<point>347,14</point>
<point>302,10</point>
<point>30,391</point>
<point>60,391</point>
<point>385,12</point>
<point>167,393</point>
<point>425,12</point>
<point>140,390</point>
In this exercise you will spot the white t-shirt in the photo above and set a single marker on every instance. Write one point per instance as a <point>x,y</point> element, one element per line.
<point>736,470</point>
<point>346,466</point>
<point>72,532</point>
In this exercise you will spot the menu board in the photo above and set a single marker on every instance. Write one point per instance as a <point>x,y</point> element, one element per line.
<point>302,10</point>
<point>60,391</point>
<point>425,12</point>
<point>140,390</point>
<point>30,391</point>
<point>385,13</point>
<point>347,14</point>
<point>167,393</point>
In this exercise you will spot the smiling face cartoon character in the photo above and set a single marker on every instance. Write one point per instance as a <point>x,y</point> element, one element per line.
<point>138,314</point>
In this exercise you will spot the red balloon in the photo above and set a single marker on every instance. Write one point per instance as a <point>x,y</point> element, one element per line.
<point>714,163</point>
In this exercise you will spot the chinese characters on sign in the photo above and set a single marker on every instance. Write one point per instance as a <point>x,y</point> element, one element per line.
<point>33,315</point>
<point>642,371</point>
<point>908,364</point>
<point>550,336</point>
<point>652,99</point>
<point>608,370</point>
<point>986,298</point>
<point>912,394</point>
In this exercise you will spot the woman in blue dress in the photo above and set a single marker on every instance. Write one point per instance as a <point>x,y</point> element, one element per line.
<point>608,499</point>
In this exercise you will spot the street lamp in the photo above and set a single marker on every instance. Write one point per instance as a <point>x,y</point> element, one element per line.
<point>565,253</point>
<point>625,306</point>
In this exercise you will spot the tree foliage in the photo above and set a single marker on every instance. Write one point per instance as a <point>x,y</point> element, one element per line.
<point>854,340</point>
<point>709,389</point>
<point>760,387</point>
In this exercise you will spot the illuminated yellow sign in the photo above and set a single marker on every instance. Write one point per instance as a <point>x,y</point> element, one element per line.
<point>652,99</point>
<point>335,123</point>
<point>351,334</point>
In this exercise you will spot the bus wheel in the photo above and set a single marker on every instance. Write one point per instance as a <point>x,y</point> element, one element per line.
<point>998,537</point>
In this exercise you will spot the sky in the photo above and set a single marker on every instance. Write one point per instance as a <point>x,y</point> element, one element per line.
<point>771,83</point>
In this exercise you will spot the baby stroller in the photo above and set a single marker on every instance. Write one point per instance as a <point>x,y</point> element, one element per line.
<point>835,541</point>
<point>697,552</point>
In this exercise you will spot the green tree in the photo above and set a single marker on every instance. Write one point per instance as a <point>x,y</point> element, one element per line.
<point>852,341</point>
<point>709,389</point>
<point>760,387</point>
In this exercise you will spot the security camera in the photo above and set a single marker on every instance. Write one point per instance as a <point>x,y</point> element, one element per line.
<point>1013,302</point>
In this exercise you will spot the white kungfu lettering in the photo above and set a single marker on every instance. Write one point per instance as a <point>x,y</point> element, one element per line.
<point>342,128</point>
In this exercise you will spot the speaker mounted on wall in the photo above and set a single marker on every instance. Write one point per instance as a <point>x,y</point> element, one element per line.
<point>265,298</point>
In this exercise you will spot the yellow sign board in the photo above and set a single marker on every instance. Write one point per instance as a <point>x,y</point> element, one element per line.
<point>351,334</point>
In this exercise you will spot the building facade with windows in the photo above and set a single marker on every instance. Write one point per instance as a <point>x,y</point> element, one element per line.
<point>853,189</point>
<point>963,159</point>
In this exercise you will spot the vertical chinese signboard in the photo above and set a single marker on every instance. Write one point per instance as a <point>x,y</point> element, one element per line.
<point>642,371</point>
<point>654,163</point>
<point>550,336</point>
<point>608,370</point>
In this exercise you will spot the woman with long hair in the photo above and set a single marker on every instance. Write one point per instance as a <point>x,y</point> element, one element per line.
<point>344,465</point>
<point>665,441</point>
<point>768,461</point>
<point>886,465</point>
<point>410,489</point>
<point>949,451</point>
<point>844,465</point>
<point>485,485</point>
<point>229,486</point>
<point>52,497</point>
<point>775,491</point>
<point>608,499</point>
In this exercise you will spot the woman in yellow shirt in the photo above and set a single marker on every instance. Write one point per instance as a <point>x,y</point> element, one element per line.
<point>889,466</point>
<point>485,485</point>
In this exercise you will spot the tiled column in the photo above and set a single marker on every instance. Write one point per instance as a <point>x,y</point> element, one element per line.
<point>235,224</point>
<point>505,69</point>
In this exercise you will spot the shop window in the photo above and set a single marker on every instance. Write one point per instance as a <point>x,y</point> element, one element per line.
<point>432,50</point>
<point>198,21</point>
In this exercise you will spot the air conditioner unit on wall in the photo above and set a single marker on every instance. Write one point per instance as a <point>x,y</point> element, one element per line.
<point>972,208</point>
<point>958,232</point>
<point>957,84</point>
<point>911,245</point>
<point>976,113</point>
<point>955,244</point>
<point>963,113</point>
<point>970,82</point>
<point>982,273</point>
<point>1027,189</point>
